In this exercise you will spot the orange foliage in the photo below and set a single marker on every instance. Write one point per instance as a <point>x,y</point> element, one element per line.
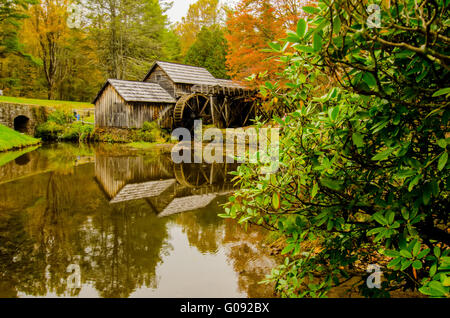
<point>46,34</point>
<point>251,26</point>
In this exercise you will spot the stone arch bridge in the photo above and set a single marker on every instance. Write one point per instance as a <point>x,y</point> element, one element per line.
<point>21,117</point>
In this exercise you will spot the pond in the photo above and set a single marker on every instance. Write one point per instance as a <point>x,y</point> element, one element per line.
<point>104,221</point>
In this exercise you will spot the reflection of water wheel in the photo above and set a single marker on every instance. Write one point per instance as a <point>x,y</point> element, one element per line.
<point>192,175</point>
<point>192,107</point>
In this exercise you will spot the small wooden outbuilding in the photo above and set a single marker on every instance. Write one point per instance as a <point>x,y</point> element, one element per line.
<point>126,104</point>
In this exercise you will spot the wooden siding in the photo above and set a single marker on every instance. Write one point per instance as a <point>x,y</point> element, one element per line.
<point>106,114</point>
<point>112,111</point>
<point>160,77</point>
<point>182,89</point>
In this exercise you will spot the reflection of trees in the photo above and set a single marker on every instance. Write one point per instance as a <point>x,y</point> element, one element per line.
<point>63,215</point>
<point>206,231</point>
<point>20,268</point>
<point>124,247</point>
<point>249,258</point>
<point>203,229</point>
<point>52,229</point>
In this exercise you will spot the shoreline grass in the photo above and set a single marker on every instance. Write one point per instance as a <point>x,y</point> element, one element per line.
<point>143,145</point>
<point>58,104</point>
<point>12,140</point>
<point>8,156</point>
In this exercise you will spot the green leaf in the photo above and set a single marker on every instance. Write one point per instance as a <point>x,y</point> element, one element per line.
<point>417,264</point>
<point>441,92</point>
<point>332,184</point>
<point>375,231</point>
<point>423,253</point>
<point>394,262</point>
<point>426,194</point>
<point>358,140</point>
<point>405,253</point>
<point>433,269</point>
<point>292,37</point>
<point>301,28</point>
<point>437,251</point>
<point>275,46</point>
<point>379,218</point>
<point>442,161</point>
<point>314,190</point>
<point>405,264</point>
<point>413,182</point>
<point>383,155</point>
<point>273,179</point>
<point>317,41</point>
<point>390,215</point>
<point>287,249</point>
<point>311,10</point>
<point>304,48</point>
<point>391,253</point>
<point>442,143</point>
<point>369,79</point>
<point>333,112</point>
<point>336,25</point>
<point>276,201</point>
<point>437,286</point>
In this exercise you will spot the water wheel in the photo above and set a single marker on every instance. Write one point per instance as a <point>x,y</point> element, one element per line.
<point>192,107</point>
<point>192,175</point>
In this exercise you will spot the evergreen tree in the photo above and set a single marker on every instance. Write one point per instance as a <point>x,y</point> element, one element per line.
<point>209,50</point>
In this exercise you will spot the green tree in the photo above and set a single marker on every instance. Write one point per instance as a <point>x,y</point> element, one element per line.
<point>129,35</point>
<point>11,13</point>
<point>364,171</point>
<point>203,13</point>
<point>171,50</point>
<point>209,50</point>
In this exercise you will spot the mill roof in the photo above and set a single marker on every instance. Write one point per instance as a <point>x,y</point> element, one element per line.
<point>138,91</point>
<point>185,74</point>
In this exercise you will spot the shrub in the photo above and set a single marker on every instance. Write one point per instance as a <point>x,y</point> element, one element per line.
<point>49,130</point>
<point>150,132</point>
<point>60,117</point>
<point>364,172</point>
<point>77,132</point>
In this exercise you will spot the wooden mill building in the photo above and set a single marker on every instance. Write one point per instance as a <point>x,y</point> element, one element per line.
<point>174,95</point>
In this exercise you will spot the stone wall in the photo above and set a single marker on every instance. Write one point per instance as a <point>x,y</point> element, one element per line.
<point>35,114</point>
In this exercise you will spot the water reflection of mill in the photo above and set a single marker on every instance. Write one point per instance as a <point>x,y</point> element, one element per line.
<point>167,188</point>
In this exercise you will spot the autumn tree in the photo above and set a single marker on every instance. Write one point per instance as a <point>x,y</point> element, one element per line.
<point>48,33</point>
<point>57,59</point>
<point>203,13</point>
<point>130,35</point>
<point>251,25</point>
<point>209,51</point>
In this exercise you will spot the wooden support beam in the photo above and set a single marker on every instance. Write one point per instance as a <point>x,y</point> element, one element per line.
<point>248,115</point>
<point>211,101</point>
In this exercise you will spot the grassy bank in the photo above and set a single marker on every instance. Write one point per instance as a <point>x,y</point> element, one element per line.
<point>8,156</point>
<point>11,139</point>
<point>57,104</point>
<point>142,145</point>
